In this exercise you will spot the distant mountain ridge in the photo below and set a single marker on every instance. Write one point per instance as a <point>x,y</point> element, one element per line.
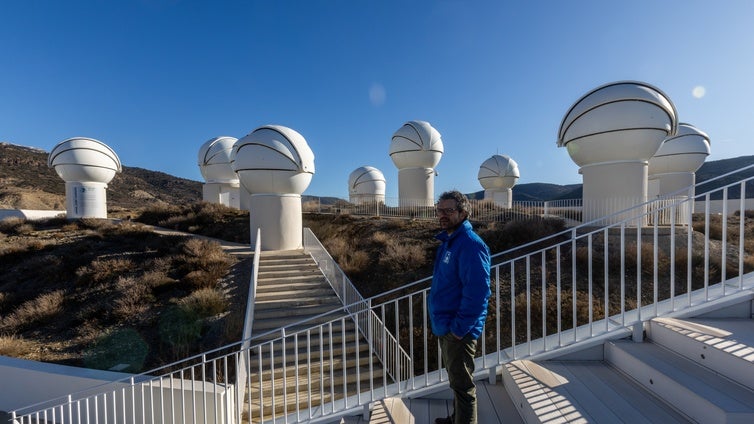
<point>27,183</point>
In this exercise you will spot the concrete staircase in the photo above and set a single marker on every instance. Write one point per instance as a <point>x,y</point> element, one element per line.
<point>291,289</point>
<point>686,370</point>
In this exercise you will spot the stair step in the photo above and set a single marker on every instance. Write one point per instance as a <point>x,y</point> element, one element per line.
<point>303,401</point>
<point>291,310</point>
<point>315,366</point>
<point>581,391</point>
<point>316,381</point>
<point>262,326</point>
<point>314,339</point>
<point>282,253</point>
<point>299,283</point>
<point>285,274</point>
<point>278,301</point>
<point>724,345</point>
<point>315,353</point>
<point>290,289</point>
<point>697,391</point>
<point>285,294</point>
<point>286,265</point>
<point>292,278</point>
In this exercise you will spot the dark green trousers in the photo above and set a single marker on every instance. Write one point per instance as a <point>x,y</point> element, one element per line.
<point>458,357</point>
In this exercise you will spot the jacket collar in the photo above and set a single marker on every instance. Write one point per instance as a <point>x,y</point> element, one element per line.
<point>443,236</point>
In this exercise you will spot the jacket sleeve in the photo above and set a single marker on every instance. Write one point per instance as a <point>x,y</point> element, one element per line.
<point>474,271</point>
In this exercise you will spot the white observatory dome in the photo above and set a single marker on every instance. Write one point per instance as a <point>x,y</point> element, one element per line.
<point>416,145</point>
<point>273,159</point>
<point>498,172</point>
<point>619,121</point>
<point>214,160</point>
<point>81,159</point>
<point>366,180</point>
<point>684,152</point>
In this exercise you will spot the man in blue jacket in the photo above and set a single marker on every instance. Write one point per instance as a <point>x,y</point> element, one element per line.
<point>458,301</point>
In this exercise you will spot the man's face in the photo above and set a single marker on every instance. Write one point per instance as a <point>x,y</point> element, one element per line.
<point>448,215</point>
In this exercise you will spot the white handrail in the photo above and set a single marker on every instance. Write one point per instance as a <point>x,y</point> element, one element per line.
<point>605,281</point>
<point>481,210</point>
<point>385,345</point>
<point>243,369</point>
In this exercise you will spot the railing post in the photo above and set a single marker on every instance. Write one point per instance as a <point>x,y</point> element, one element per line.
<point>638,332</point>
<point>343,279</point>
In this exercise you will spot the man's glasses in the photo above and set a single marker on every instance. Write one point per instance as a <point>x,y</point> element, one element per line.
<point>445,211</point>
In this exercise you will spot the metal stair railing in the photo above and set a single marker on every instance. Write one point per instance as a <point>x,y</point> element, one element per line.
<point>589,283</point>
<point>395,360</point>
<point>483,210</point>
<point>243,367</point>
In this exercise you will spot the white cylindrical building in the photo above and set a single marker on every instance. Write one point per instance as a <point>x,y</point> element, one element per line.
<point>672,170</point>
<point>87,166</point>
<point>275,165</point>
<point>221,183</point>
<point>416,149</point>
<point>498,175</point>
<point>366,184</point>
<point>611,133</point>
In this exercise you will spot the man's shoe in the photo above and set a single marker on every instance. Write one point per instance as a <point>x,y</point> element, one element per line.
<point>446,420</point>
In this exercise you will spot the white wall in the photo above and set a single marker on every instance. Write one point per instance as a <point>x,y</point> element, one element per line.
<point>27,383</point>
<point>29,214</point>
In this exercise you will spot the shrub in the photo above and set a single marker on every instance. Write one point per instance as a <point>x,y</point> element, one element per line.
<point>132,298</point>
<point>205,262</point>
<point>205,302</point>
<point>518,232</point>
<point>209,219</point>
<point>41,309</point>
<point>19,249</point>
<point>350,259</point>
<point>157,279</point>
<point>96,224</point>
<point>402,256</point>
<point>179,329</point>
<point>16,226</point>
<point>103,270</point>
<point>18,347</point>
<point>127,229</point>
<point>70,226</point>
<point>121,347</point>
<point>381,237</point>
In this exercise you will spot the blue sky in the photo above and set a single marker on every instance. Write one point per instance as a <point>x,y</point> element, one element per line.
<point>155,79</point>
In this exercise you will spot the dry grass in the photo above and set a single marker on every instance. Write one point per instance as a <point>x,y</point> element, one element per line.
<point>401,255</point>
<point>206,262</point>
<point>209,219</point>
<point>157,278</point>
<point>104,278</point>
<point>133,298</point>
<point>36,311</point>
<point>184,280</point>
<point>205,302</point>
<point>103,270</point>
<point>11,225</point>
<point>17,347</point>
<point>350,259</point>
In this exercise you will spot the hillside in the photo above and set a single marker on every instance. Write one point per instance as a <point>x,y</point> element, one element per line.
<point>710,170</point>
<point>27,183</point>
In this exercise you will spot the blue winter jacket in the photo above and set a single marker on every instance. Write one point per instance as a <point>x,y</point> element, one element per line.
<point>460,283</point>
